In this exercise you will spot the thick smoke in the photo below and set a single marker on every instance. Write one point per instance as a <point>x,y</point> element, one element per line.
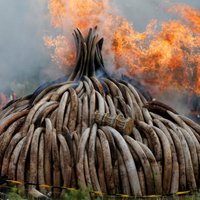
<point>23,55</point>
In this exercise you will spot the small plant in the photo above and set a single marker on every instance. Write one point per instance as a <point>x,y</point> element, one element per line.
<point>83,194</point>
<point>12,194</point>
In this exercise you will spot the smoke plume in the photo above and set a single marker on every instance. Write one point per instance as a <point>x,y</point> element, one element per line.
<point>23,55</point>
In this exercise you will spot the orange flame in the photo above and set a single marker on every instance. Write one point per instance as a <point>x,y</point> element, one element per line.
<point>168,58</point>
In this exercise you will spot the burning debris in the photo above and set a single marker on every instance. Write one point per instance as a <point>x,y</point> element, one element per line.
<point>164,57</point>
<point>6,96</point>
<point>98,132</point>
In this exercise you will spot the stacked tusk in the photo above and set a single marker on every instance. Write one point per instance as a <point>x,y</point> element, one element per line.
<point>97,133</point>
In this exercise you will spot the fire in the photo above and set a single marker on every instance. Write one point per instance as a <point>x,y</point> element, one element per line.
<point>57,12</point>
<point>167,56</point>
<point>63,54</point>
<point>86,13</point>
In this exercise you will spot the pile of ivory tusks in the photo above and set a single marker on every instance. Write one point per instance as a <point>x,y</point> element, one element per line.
<point>56,140</point>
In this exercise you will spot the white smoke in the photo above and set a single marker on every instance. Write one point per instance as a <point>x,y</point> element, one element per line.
<point>22,52</point>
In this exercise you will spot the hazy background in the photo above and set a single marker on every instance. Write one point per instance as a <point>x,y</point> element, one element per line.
<point>22,52</point>
<point>25,61</point>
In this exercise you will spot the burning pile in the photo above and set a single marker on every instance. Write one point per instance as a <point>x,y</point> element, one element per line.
<point>165,57</point>
<point>101,133</point>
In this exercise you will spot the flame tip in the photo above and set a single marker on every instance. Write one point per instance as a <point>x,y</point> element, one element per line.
<point>161,56</point>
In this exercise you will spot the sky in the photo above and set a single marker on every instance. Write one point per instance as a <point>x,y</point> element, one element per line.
<point>140,12</point>
<point>23,24</point>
